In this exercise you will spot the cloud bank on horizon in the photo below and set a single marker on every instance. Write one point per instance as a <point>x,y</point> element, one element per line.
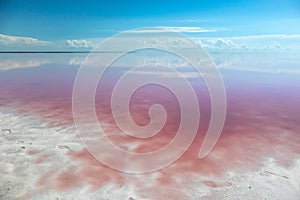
<point>251,43</point>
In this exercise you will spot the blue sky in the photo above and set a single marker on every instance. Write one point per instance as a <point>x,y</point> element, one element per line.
<point>238,34</point>
<point>63,21</point>
<point>56,20</point>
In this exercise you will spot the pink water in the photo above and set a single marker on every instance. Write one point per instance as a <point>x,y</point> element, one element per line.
<point>262,122</point>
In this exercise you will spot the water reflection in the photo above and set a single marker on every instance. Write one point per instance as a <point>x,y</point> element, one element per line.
<point>262,119</point>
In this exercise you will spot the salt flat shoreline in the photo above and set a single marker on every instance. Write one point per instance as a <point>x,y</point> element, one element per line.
<point>26,142</point>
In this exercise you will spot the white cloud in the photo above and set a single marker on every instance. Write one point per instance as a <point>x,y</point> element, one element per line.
<point>217,44</point>
<point>6,40</point>
<point>276,62</point>
<point>270,42</point>
<point>76,60</point>
<point>182,29</point>
<point>276,44</point>
<point>167,74</point>
<point>265,36</point>
<point>12,62</point>
<point>188,29</point>
<point>80,43</point>
<point>223,43</point>
<point>266,43</point>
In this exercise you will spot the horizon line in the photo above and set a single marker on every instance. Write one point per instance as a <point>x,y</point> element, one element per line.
<point>27,52</point>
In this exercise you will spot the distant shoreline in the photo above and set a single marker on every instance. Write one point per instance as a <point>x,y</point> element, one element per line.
<point>32,52</point>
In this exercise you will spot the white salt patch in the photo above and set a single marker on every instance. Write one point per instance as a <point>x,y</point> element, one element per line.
<point>19,172</point>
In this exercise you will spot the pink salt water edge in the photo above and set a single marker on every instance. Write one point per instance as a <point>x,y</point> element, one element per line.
<point>262,122</point>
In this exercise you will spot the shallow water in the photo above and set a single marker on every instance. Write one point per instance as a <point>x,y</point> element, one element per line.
<point>262,126</point>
